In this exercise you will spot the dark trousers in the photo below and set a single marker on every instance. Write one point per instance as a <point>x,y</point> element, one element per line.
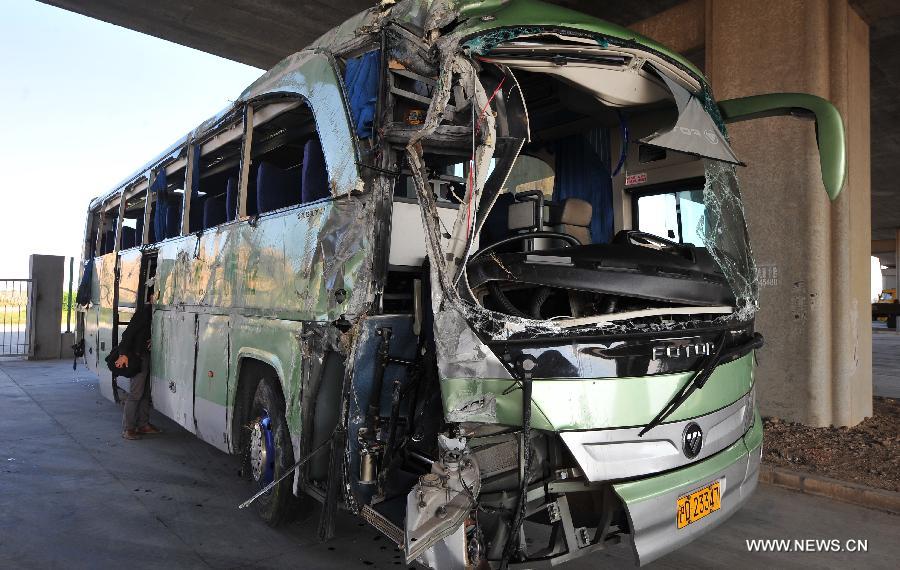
<point>137,403</point>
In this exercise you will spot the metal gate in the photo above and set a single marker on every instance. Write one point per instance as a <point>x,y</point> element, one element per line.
<point>14,297</point>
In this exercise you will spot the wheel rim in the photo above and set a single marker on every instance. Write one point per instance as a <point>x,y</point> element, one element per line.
<point>262,450</point>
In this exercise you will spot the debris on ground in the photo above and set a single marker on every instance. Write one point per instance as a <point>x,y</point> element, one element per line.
<point>868,454</point>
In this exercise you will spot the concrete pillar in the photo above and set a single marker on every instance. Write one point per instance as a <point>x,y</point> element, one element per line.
<point>45,305</point>
<point>816,367</point>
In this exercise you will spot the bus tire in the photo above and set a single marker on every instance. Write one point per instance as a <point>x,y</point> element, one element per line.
<point>260,464</point>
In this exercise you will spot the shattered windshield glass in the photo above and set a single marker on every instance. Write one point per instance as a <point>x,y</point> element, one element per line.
<point>723,230</point>
<point>533,250</point>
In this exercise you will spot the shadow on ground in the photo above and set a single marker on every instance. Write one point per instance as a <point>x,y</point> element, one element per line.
<point>73,493</point>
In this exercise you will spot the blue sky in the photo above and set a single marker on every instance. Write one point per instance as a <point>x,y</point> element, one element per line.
<point>83,104</point>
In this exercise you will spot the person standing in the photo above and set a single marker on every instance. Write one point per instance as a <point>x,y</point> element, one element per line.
<point>136,344</point>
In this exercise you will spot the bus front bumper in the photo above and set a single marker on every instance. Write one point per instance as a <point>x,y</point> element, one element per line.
<point>651,502</point>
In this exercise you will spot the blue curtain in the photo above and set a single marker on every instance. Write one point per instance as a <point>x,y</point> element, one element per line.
<point>361,81</point>
<point>583,171</point>
<point>158,187</point>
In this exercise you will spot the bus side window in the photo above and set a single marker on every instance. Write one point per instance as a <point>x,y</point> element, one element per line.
<point>215,199</point>
<point>133,222</point>
<point>108,232</point>
<point>166,207</point>
<point>287,163</point>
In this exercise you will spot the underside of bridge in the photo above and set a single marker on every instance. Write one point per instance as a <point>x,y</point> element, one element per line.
<point>815,254</point>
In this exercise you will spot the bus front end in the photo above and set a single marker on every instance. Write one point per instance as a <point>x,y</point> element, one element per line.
<point>585,368</point>
<point>592,304</point>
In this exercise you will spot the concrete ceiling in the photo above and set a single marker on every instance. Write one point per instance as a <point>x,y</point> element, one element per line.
<point>261,32</point>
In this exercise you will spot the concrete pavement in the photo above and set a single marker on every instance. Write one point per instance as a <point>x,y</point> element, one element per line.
<point>74,494</point>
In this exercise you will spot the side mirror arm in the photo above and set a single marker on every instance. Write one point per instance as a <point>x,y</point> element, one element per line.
<point>829,127</point>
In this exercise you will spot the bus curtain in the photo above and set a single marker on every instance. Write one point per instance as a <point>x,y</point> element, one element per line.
<point>361,80</point>
<point>582,171</point>
<point>83,296</point>
<point>158,187</point>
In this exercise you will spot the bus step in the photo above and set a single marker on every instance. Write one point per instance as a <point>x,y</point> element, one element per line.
<point>384,526</point>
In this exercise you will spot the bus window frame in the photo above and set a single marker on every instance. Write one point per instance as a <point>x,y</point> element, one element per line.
<point>671,187</point>
<point>316,78</point>
<point>129,192</point>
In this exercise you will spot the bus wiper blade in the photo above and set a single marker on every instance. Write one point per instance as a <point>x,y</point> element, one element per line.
<point>701,376</point>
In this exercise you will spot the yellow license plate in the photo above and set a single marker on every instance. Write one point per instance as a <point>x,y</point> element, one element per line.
<point>696,505</point>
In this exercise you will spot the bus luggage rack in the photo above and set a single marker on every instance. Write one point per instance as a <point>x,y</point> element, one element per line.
<point>14,296</point>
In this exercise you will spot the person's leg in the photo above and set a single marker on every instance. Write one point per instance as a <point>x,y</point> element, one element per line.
<point>139,385</point>
<point>143,415</point>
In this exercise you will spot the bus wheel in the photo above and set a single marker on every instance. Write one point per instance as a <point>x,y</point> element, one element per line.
<point>269,454</point>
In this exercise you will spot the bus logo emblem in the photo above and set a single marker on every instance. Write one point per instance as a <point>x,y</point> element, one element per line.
<point>692,440</point>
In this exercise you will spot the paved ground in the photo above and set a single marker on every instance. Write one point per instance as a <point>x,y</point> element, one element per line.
<point>74,494</point>
<point>885,362</point>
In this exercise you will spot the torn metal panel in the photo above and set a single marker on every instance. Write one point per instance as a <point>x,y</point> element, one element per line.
<point>324,252</point>
<point>695,132</point>
<point>482,408</point>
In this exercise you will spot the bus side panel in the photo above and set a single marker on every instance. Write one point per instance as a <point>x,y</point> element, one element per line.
<point>211,384</point>
<point>106,266</point>
<point>91,322</point>
<point>172,365</point>
<point>106,275</point>
<point>277,343</point>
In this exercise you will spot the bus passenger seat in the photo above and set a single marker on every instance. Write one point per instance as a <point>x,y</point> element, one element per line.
<point>127,238</point>
<point>495,225</point>
<point>139,230</point>
<point>231,192</point>
<point>276,187</point>
<point>315,174</point>
<point>213,211</point>
<point>573,216</point>
<point>173,217</point>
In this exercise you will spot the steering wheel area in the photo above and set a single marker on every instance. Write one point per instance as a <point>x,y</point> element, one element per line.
<point>571,240</point>
<point>635,237</point>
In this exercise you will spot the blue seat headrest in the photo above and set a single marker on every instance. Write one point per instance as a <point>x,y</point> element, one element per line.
<point>139,229</point>
<point>128,240</point>
<point>213,211</point>
<point>315,174</point>
<point>109,242</point>
<point>276,187</point>
<point>231,192</point>
<point>173,217</point>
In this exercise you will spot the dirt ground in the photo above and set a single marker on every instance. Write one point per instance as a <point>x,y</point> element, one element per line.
<point>868,454</point>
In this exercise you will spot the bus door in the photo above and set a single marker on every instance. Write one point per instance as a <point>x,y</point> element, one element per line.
<point>125,299</point>
<point>173,355</point>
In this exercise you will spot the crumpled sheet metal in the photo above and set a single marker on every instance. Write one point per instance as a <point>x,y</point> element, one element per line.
<point>242,266</point>
<point>725,235</point>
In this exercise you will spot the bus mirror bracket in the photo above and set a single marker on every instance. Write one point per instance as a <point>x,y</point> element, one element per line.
<point>829,127</point>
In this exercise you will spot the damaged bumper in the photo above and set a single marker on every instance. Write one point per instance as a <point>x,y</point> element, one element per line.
<point>651,503</point>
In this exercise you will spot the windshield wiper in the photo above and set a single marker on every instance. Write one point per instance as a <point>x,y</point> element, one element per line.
<point>701,376</point>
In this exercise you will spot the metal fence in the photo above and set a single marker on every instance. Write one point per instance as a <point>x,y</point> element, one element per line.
<point>14,296</point>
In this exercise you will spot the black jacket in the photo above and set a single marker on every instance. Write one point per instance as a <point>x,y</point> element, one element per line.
<point>137,333</point>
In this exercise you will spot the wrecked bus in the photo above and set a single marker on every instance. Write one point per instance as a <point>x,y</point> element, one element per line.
<point>477,272</point>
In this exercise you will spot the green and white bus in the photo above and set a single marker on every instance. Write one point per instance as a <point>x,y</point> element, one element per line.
<point>477,272</point>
